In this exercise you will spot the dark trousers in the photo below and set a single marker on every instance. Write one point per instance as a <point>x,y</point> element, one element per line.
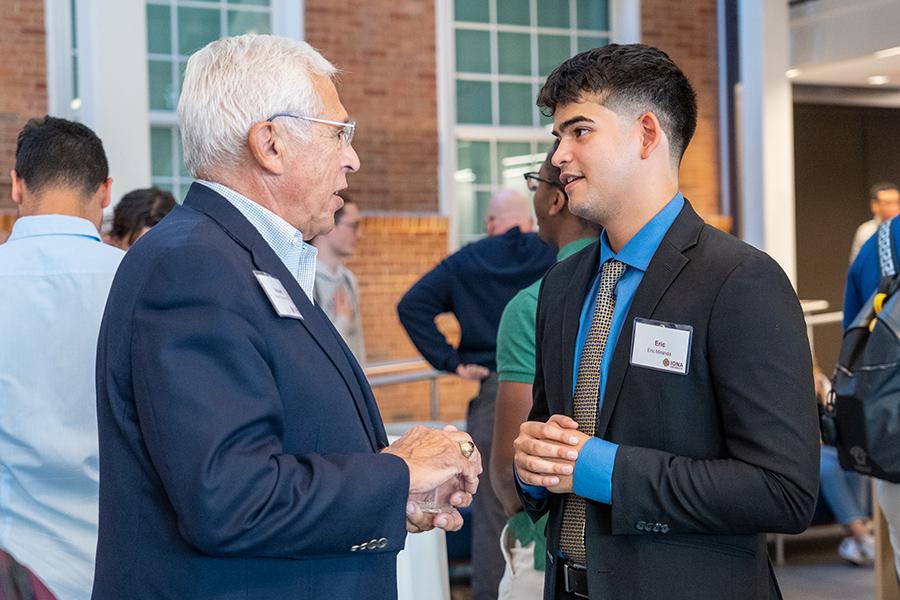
<point>488,518</point>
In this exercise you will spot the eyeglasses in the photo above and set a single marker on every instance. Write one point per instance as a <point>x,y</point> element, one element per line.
<point>347,128</point>
<point>533,177</point>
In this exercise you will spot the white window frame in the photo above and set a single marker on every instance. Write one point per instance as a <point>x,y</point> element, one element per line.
<point>624,28</point>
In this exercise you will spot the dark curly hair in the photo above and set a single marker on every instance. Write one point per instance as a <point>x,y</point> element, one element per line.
<point>138,209</point>
<point>632,77</point>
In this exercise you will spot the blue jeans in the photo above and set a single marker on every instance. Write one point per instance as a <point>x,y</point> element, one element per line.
<point>846,492</point>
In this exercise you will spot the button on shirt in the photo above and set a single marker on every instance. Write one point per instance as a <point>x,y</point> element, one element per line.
<point>55,275</point>
<point>594,466</point>
<point>285,239</point>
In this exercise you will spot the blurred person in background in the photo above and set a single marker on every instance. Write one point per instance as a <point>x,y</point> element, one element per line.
<point>336,290</point>
<point>475,284</point>
<point>884,202</point>
<point>55,274</point>
<point>136,213</point>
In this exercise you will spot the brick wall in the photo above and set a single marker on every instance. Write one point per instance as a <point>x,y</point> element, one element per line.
<point>386,49</point>
<point>23,80</point>
<point>686,31</point>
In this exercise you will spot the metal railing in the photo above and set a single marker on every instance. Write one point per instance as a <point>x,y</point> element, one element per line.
<point>408,371</point>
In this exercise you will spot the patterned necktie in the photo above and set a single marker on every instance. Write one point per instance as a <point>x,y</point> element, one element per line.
<point>587,392</point>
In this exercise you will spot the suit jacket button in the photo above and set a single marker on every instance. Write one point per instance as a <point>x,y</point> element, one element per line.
<point>640,526</point>
<point>382,542</point>
<point>364,546</point>
<point>656,527</point>
<point>373,544</point>
<point>664,528</point>
<point>354,547</point>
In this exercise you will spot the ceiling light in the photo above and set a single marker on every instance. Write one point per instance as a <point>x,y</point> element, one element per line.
<point>878,79</point>
<point>792,73</point>
<point>75,104</point>
<point>888,52</point>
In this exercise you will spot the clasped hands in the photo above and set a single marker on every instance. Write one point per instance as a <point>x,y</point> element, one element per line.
<point>434,457</point>
<point>546,453</point>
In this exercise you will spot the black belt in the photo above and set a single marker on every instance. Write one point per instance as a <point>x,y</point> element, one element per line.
<point>573,579</point>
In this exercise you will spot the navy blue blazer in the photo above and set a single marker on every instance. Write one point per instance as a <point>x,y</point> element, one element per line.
<point>239,450</point>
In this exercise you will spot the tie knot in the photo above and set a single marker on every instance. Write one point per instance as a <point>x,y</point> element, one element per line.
<point>609,275</point>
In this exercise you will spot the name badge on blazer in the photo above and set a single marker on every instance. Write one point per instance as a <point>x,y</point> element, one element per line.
<point>278,296</point>
<point>661,346</point>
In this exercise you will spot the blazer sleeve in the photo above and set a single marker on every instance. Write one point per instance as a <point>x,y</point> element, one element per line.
<point>425,300</point>
<point>762,382</point>
<point>212,420</point>
<point>540,411</point>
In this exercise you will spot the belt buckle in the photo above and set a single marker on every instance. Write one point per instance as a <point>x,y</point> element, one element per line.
<point>567,568</point>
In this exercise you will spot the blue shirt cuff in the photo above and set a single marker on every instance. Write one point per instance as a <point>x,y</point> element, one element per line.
<point>535,491</point>
<point>594,470</point>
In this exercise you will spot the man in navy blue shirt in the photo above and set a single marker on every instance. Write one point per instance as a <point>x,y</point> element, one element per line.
<point>862,281</point>
<point>674,420</point>
<point>475,284</point>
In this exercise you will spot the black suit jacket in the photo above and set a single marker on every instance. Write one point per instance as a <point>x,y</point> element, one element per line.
<point>238,449</point>
<point>709,461</point>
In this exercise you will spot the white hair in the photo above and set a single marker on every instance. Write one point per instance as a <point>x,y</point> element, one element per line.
<point>237,81</point>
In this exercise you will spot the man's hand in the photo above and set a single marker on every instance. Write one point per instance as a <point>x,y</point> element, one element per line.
<point>433,457</point>
<point>546,453</point>
<point>472,372</point>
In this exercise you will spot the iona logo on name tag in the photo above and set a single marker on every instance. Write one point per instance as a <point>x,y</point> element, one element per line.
<point>661,346</point>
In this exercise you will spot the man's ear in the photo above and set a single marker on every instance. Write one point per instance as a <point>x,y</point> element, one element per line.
<point>558,204</point>
<point>105,190</point>
<point>267,147</point>
<point>18,187</point>
<point>652,135</point>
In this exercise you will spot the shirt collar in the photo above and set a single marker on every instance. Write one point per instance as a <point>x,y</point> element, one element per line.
<point>573,247</point>
<point>38,225</point>
<point>641,248</point>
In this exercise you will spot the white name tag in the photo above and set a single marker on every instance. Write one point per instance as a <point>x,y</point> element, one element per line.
<point>278,296</point>
<point>661,346</point>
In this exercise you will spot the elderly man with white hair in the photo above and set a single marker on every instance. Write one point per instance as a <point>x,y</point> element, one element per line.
<point>242,454</point>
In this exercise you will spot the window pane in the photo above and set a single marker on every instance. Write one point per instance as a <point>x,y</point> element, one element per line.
<point>514,159</point>
<point>161,151</point>
<point>473,162</point>
<point>162,91</point>
<point>471,208</point>
<point>254,2</point>
<point>159,30</point>
<point>552,51</point>
<point>473,51</point>
<point>473,102</point>
<point>514,12</point>
<point>515,104</point>
<point>196,28</point>
<point>586,43</point>
<point>241,21</point>
<point>514,51</point>
<point>553,13</point>
<point>593,14</point>
<point>472,10</point>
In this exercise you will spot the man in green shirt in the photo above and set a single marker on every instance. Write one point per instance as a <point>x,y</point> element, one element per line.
<point>523,542</point>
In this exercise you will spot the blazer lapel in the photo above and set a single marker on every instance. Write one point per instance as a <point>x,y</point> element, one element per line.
<point>574,299</point>
<point>664,267</point>
<point>212,204</point>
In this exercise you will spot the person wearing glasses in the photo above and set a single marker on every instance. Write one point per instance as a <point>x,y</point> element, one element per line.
<point>136,213</point>
<point>474,284</point>
<point>522,541</point>
<point>336,289</point>
<point>242,454</point>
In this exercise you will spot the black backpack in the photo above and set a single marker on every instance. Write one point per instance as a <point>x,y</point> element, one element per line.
<point>861,416</point>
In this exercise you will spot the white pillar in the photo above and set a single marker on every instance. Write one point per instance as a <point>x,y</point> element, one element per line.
<point>112,84</point>
<point>766,132</point>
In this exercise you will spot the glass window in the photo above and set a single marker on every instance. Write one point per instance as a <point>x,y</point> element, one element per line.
<point>504,50</point>
<point>176,29</point>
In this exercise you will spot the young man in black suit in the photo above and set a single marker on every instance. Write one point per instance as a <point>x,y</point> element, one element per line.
<point>674,419</point>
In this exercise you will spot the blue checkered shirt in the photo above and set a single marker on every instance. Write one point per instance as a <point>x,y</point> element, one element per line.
<point>287,241</point>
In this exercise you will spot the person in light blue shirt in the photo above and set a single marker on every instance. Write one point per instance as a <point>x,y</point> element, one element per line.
<point>55,274</point>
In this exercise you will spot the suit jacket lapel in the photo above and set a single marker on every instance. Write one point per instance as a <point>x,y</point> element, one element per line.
<point>574,299</point>
<point>209,202</point>
<point>664,267</point>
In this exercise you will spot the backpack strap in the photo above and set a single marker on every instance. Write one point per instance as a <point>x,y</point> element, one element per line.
<point>887,260</point>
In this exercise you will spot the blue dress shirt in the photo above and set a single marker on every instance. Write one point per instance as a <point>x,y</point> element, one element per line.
<point>594,466</point>
<point>55,275</point>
